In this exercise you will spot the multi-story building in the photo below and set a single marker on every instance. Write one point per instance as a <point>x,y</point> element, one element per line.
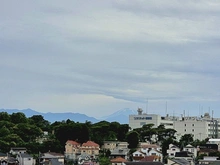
<point>91,148</point>
<point>72,149</point>
<point>140,119</point>
<point>200,127</point>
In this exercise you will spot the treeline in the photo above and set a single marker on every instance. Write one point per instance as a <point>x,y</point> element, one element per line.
<point>16,130</point>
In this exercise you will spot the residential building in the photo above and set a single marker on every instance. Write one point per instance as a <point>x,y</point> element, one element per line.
<point>118,152</point>
<point>91,148</point>
<point>52,157</point>
<point>143,163</point>
<point>191,149</point>
<point>25,159</point>
<point>176,161</point>
<point>3,158</point>
<point>72,149</point>
<point>172,150</point>
<point>200,127</point>
<point>110,145</point>
<point>118,161</point>
<point>209,160</point>
<point>138,155</point>
<point>185,155</point>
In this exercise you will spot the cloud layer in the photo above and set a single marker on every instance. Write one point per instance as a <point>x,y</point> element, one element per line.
<point>96,57</point>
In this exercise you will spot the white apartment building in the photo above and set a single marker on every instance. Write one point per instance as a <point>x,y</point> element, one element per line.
<point>137,121</point>
<point>200,127</point>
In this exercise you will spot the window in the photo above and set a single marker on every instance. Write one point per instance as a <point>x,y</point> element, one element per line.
<point>192,130</point>
<point>185,125</point>
<point>193,125</point>
<point>185,130</point>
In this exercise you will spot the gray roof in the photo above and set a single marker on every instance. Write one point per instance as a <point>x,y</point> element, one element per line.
<point>181,161</point>
<point>25,155</point>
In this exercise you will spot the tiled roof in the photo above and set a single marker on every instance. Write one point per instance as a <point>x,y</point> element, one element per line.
<point>90,144</point>
<point>150,146</point>
<point>118,160</point>
<point>72,142</point>
<point>148,158</point>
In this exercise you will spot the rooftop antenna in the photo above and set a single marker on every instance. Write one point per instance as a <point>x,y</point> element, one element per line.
<point>147,106</point>
<point>166,108</point>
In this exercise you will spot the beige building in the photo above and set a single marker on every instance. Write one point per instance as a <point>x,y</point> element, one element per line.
<point>91,148</point>
<point>72,149</point>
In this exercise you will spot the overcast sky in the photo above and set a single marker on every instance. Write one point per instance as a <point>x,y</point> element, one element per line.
<point>97,57</point>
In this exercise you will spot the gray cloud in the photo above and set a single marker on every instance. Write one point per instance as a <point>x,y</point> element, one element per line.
<point>108,55</point>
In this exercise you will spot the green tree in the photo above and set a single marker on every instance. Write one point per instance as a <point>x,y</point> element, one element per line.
<point>185,140</point>
<point>18,117</point>
<point>132,139</point>
<point>104,161</point>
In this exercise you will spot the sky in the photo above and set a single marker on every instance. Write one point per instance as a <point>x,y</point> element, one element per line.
<point>97,57</point>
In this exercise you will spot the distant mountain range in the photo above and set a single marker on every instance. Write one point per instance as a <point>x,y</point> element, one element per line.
<point>121,116</point>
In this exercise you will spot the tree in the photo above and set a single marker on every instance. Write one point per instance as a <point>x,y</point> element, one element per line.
<point>185,140</point>
<point>132,139</point>
<point>18,117</point>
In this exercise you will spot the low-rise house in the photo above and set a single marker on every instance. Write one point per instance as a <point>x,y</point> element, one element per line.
<point>172,150</point>
<point>84,159</point>
<point>175,161</point>
<point>72,149</point>
<point>124,153</point>
<point>52,157</point>
<point>91,148</point>
<point>122,145</point>
<point>185,155</point>
<point>25,159</point>
<point>3,158</point>
<point>149,159</point>
<point>137,155</point>
<point>209,160</point>
<point>191,149</point>
<point>118,161</point>
<point>109,145</point>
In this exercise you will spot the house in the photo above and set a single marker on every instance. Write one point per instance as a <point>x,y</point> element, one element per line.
<point>122,145</point>
<point>138,155</point>
<point>118,161</point>
<point>52,157</point>
<point>109,145</point>
<point>12,161</point>
<point>25,159</point>
<point>3,158</point>
<point>207,149</point>
<point>124,153</point>
<point>191,149</point>
<point>209,160</point>
<point>91,148</point>
<point>146,147</point>
<point>72,149</point>
<point>172,150</point>
<point>17,150</point>
<point>185,155</point>
<point>85,159</point>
